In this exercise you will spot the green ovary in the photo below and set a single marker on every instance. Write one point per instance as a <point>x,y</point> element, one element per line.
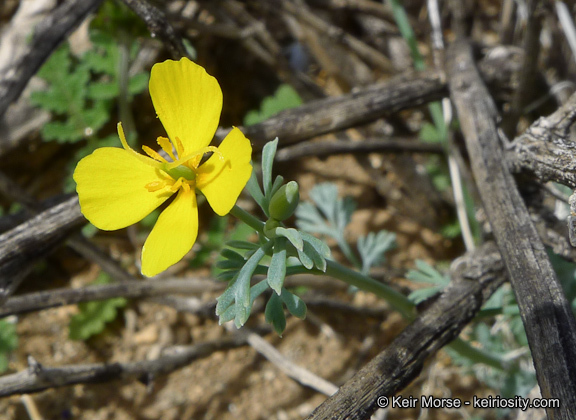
<point>182,172</point>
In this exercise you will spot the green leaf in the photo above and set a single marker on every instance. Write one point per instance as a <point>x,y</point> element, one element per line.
<point>430,134</point>
<point>292,235</point>
<point>94,316</point>
<point>63,132</point>
<point>8,342</point>
<point>229,264</point>
<point>274,314</point>
<point>232,255</point>
<point>239,292</point>
<point>103,90</point>
<point>320,246</point>
<point>277,269</point>
<point>138,83</point>
<point>225,299</point>
<point>254,190</point>
<point>285,97</point>
<point>294,304</point>
<point>242,245</point>
<point>305,259</point>
<point>268,153</point>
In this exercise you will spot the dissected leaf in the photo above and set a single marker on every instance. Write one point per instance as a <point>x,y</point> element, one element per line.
<point>373,246</point>
<point>94,316</point>
<point>285,97</point>
<point>425,273</point>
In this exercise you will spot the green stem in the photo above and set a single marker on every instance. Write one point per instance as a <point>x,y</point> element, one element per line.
<point>464,348</point>
<point>253,222</point>
<point>403,305</point>
<point>354,278</point>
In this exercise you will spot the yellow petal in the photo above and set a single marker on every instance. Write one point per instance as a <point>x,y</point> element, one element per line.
<point>111,184</point>
<point>187,100</point>
<point>173,234</point>
<point>222,180</point>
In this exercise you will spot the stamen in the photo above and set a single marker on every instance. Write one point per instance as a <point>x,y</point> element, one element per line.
<point>154,154</point>
<point>142,158</point>
<point>179,147</point>
<point>196,157</point>
<point>177,184</point>
<point>155,186</point>
<point>122,137</point>
<point>165,144</point>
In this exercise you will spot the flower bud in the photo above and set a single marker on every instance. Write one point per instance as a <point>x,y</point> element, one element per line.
<point>284,201</point>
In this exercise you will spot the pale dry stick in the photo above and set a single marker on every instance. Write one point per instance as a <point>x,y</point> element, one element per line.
<point>454,170</point>
<point>294,371</point>
<point>324,328</point>
<point>567,23</point>
<point>31,407</point>
<point>528,71</point>
<point>506,30</point>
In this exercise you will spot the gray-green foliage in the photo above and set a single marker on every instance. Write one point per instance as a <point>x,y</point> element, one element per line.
<point>280,251</point>
<point>329,215</point>
<point>426,274</point>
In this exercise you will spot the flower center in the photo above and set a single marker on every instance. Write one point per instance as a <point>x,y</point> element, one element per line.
<point>180,173</point>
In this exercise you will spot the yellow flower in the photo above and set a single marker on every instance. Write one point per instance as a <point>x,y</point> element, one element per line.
<point>119,187</point>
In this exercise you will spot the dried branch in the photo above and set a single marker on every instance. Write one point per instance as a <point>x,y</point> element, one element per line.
<point>130,289</point>
<point>159,26</point>
<point>474,278</point>
<point>352,109</point>
<point>366,105</point>
<point>38,378</point>
<point>547,316</point>
<point>34,239</point>
<point>545,150</point>
<point>48,34</point>
<point>335,147</point>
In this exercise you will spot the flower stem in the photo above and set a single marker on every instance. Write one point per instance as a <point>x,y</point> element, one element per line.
<point>253,222</point>
<point>400,302</point>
